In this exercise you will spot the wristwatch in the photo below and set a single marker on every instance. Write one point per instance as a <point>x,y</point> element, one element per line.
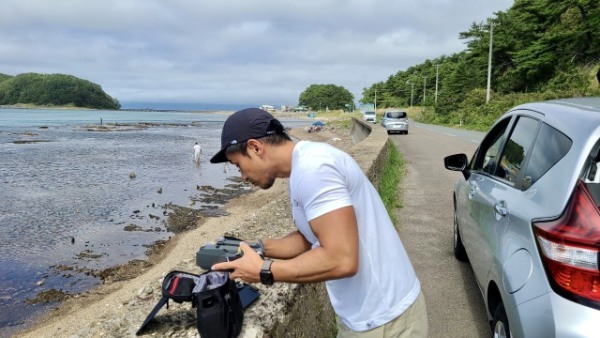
<point>266,276</point>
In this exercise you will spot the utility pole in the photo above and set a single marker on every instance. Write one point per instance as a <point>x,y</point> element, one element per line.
<point>489,74</point>
<point>424,86</point>
<point>375,104</point>
<point>412,89</point>
<point>437,72</point>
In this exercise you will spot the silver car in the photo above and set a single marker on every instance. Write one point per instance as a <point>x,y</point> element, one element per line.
<point>370,116</point>
<point>395,121</point>
<point>526,217</point>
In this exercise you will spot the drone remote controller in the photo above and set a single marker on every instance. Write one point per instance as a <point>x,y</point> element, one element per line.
<point>225,249</point>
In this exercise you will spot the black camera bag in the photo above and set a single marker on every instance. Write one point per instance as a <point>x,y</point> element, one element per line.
<point>219,309</point>
<point>218,305</point>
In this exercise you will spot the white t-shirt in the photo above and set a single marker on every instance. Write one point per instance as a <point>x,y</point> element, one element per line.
<point>197,150</point>
<point>324,179</point>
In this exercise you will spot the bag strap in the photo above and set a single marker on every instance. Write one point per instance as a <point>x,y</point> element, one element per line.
<point>161,302</point>
<point>169,291</point>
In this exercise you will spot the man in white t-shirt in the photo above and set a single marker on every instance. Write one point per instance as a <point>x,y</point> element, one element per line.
<point>197,152</point>
<point>345,236</point>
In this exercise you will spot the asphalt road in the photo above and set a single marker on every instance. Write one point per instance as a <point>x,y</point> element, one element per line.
<point>454,304</point>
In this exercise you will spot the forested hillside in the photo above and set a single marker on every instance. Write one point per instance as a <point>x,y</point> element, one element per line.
<point>53,90</point>
<point>4,77</point>
<point>541,49</point>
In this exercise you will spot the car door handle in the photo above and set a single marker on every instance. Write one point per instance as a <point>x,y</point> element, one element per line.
<point>500,209</point>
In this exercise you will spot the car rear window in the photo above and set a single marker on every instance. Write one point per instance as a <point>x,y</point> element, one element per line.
<point>396,114</point>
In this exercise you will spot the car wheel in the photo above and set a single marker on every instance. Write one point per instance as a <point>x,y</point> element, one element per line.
<point>459,248</point>
<point>500,327</point>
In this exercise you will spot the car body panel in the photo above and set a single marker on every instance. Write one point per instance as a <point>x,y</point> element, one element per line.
<point>496,210</point>
<point>486,222</point>
<point>551,315</point>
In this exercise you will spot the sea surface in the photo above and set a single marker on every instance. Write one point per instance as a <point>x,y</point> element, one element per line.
<point>68,188</point>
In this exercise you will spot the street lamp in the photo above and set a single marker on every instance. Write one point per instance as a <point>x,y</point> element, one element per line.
<point>412,88</point>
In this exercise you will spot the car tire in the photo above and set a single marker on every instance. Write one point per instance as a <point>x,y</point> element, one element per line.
<point>459,249</point>
<point>500,326</point>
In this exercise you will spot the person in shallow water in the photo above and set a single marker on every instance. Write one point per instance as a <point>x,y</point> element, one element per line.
<point>344,234</point>
<point>197,152</point>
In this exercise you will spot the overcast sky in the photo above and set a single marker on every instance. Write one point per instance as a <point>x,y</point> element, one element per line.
<point>231,51</point>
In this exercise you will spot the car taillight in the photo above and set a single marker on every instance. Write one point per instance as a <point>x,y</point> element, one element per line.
<point>570,249</point>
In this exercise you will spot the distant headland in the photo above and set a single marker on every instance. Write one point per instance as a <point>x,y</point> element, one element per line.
<point>33,90</point>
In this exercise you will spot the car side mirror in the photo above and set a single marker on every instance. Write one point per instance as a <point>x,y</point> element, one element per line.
<point>457,162</point>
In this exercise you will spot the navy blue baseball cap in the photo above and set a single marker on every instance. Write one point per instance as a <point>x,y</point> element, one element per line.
<point>243,125</point>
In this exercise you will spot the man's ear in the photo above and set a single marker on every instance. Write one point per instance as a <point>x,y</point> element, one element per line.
<point>255,146</point>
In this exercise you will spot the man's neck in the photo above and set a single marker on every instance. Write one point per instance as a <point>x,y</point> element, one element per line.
<point>282,157</point>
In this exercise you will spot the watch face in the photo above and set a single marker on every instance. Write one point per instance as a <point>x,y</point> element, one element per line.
<point>266,277</point>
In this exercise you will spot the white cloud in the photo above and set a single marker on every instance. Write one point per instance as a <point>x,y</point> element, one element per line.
<point>234,51</point>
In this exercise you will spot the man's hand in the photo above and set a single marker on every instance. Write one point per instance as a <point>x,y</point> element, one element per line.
<point>246,267</point>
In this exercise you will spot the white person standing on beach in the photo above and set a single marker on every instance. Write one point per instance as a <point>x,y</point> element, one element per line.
<point>344,235</point>
<point>197,152</point>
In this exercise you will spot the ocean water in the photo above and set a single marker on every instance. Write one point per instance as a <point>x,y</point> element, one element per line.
<point>66,193</point>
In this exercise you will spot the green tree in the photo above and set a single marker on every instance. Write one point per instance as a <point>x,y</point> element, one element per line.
<point>54,90</point>
<point>321,96</point>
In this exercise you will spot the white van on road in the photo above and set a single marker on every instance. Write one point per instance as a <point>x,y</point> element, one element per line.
<point>370,116</point>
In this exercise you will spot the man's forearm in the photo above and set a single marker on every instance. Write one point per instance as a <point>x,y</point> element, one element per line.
<point>317,265</point>
<point>286,247</point>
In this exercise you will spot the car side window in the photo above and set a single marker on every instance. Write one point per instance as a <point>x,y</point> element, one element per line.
<point>517,147</point>
<point>550,146</point>
<point>485,157</point>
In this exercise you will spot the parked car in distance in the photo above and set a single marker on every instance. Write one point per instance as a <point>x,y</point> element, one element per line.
<point>370,116</point>
<point>526,217</point>
<point>395,121</point>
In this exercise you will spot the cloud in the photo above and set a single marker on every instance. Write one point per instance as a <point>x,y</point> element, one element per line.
<point>238,51</point>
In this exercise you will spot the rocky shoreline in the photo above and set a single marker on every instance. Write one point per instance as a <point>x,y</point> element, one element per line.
<point>179,220</point>
<point>119,306</point>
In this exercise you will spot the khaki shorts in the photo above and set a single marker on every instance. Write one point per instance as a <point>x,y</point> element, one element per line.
<point>412,323</point>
